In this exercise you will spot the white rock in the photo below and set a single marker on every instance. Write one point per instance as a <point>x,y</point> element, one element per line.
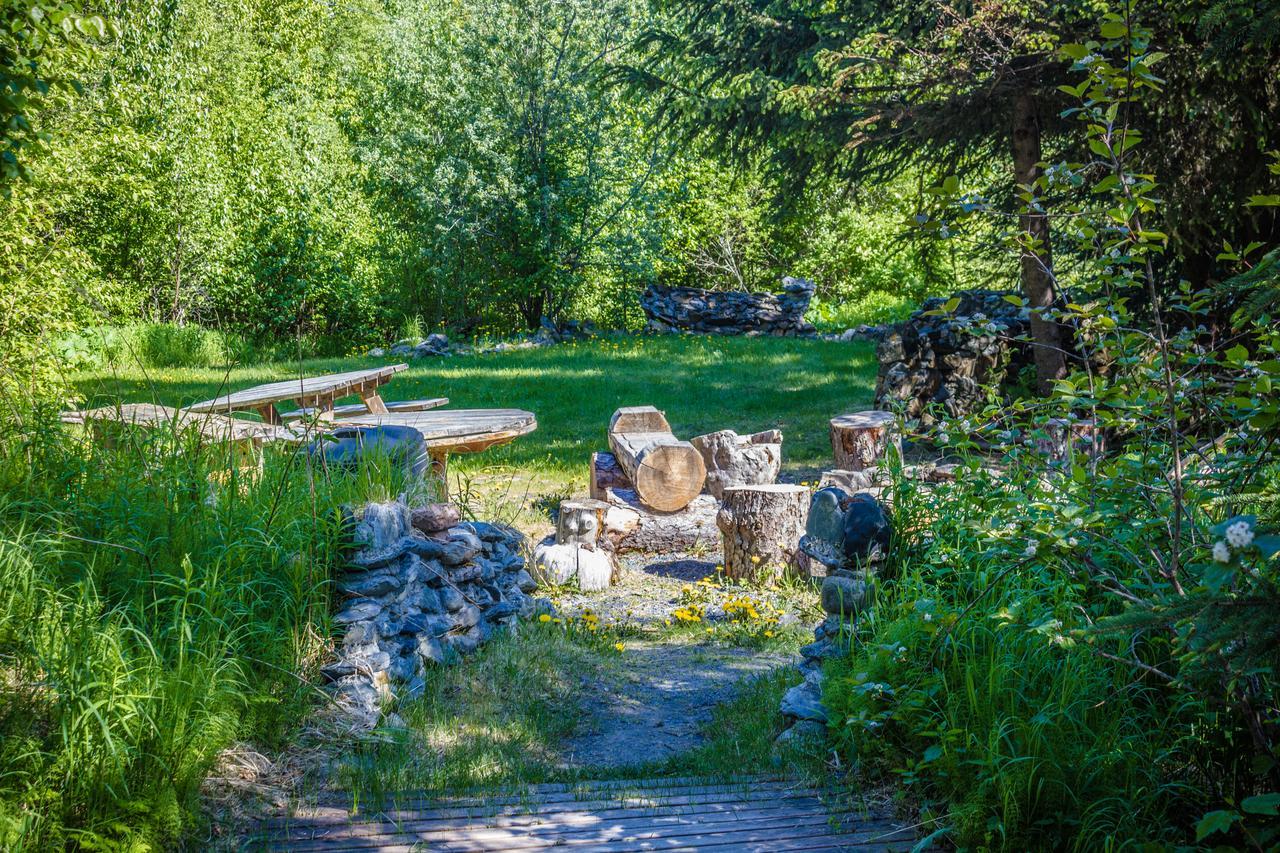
<point>562,563</point>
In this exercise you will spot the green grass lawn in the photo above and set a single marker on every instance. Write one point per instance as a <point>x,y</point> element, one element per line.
<point>702,383</point>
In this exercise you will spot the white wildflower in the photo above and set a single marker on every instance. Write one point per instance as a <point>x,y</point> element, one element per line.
<point>943,438</point>
<point>1239,535</point>
<point>1072,541</point>
<point>1030,550</point>
<point>1221,552</point>
<point>928,617</point>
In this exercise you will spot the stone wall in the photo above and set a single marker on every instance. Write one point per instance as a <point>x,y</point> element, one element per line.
<point>948,358</point>
<point>690,309</point>
<point>421,590</point>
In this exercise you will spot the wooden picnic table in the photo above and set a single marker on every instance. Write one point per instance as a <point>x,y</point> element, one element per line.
<point>448,431</point>
<point>318,392</point>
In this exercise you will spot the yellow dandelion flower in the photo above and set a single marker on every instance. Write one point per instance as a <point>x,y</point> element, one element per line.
<point>768,633</point>
<point>619,646</point>
<point>545,617</point>
<point>755,558</point>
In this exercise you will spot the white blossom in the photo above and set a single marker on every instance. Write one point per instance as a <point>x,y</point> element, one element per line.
<point>928,617</point>
<point>1030,550</point>
<point>943,438</point>
<point>1072,541</point>
<point>1239,535</point>
<point>1221,552</point>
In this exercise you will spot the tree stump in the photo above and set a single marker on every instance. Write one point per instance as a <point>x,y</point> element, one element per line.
<point>580,522</point>
<point>632,526</point>
<point>761,528</point>
<point>739,460</point>
<point>860,440</point>
<point>666,473</point>
<point>606,474</point>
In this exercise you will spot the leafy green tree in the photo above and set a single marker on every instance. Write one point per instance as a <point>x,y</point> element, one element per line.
<point>866,89</point>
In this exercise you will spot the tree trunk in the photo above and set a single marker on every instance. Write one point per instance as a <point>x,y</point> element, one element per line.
<point>606,474</point>
<point>632,526</point>
<point>667,473</point>
<point>860,440</point>
<point>762,526</point>
<point>1037,260</point>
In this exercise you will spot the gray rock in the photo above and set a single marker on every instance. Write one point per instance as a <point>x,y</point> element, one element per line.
<point>451,599</point>
<point>500,610</point>
<point>431,650</point>
<point>468,616</point>
<point>428,624</point>
<point>370,584</point>
<point>377,352</point>
<point>804,701</point>
<point>803,732</point>
<point>405,667</point>
<point>846,596</point>
<point>428,600</point>
<point>465,642</point>
<point>359,610</point>
<point>679,309</point>
<point>525,582</point>
<point>461,546</point>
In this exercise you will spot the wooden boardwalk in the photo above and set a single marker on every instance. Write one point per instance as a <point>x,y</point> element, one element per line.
<point>618,817</point>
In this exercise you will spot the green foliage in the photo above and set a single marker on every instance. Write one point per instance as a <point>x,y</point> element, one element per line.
<point>1079,650</point>
<point>149,617</point>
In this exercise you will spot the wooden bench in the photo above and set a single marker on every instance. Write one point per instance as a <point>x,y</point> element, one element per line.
<point>352,409</point>
<point>244,437</point>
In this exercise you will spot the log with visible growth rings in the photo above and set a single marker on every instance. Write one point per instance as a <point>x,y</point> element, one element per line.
<point>667,473</point>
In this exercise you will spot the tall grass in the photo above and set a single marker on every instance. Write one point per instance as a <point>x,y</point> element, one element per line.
<point>148,618</point>
<point>978,688</point>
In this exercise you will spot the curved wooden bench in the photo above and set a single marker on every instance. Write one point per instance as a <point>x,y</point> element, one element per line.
<point>448,431</point>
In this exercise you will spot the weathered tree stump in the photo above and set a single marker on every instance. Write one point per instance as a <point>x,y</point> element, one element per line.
<point>739,460</point>
<point>606,474</point>
<point>860,440</point>
<point>666,473</point>
<point>761,527</point>
<point>580,522</point>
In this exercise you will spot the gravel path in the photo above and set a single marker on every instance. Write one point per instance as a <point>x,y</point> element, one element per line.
<point>657,703</point>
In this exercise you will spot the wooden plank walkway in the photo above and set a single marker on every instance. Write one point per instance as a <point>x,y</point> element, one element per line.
<point>618,817</point>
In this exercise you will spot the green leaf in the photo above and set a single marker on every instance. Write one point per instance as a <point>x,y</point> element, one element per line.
<point>1269,545</point>
<point>1113,30</point>
<point>1219,821</point>
<point>1237,354</point>
<point>933,753</point>
<point>1268,804</point>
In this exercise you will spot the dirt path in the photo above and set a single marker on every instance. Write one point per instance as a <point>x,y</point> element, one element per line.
<point>658,704</point>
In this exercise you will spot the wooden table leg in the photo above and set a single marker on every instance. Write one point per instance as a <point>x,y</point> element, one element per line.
<point>373,402</point>
<point>440,468</point>
<point>270,415</point>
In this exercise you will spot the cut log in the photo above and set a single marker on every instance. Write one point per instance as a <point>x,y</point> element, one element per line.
<point>666,473</point>
<point>580,522</point>
<point>606,474</point>
<point>761,527</point>
<point>739,460</point>
<point>860,440</point>
<point>632,526</point>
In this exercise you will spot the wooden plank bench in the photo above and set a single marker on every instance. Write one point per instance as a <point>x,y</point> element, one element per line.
<point>245,438</point>
<point>351,409</point>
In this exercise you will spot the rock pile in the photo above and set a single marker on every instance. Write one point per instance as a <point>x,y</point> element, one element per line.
<point>549,333</point>
<point>845,595</point>
<point>423,589</point>
<point>691,309</point>
<point>948,358</point>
